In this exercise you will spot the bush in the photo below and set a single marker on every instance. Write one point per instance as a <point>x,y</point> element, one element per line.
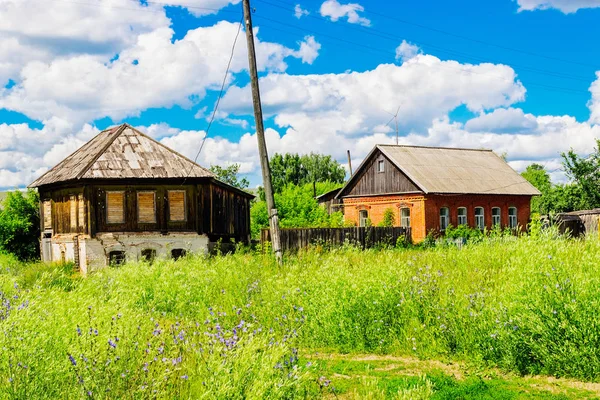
<point>20,225</point>
<point>388,218</point>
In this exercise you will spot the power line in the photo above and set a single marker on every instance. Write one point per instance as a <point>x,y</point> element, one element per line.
<point>385,35</point>
<point>388,52</point>
<point>212,118</point>
<point>504,47</point>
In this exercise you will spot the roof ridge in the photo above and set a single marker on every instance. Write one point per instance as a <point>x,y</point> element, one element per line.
<point>431,147</point>
<point>116,134</point>
<point>170,149</point>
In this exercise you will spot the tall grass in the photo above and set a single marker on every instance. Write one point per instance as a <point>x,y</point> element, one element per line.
<point>231,326</point>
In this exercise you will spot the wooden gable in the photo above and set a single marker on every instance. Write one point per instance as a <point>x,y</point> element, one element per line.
<point>377,175</point>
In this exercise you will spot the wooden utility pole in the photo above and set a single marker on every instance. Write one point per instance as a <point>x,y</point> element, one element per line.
<point>349,163</point>
<point>260,135</point>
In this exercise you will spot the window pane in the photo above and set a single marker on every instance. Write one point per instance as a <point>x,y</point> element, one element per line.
<point>512,217</point>
<point>496,216</point>
<point>405,217</point>
<point>381,166</point>
<point>462,216</point>
<point>479,218</point>
<point>114,207</point>
<point>444,214</point>
<point>177,205</point>
<point>363,216</point>
<point>146,208</point>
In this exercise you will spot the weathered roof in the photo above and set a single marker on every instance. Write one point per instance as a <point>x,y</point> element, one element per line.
<point>328,195</point>
<point>122,152</point>
<point>454,171</point>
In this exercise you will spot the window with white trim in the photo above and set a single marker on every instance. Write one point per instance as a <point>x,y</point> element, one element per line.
<point>479,218</point>
<point>444,218</point>
<point>363,217</point>
<point>512,217</point>
<point>496,219</point>
<point>405,217</point>
<point>462,216</point>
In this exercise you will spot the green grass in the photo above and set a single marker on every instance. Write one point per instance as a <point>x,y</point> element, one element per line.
<point>523,307</point>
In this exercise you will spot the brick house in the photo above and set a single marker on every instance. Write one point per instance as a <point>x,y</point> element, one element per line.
<point>429,188</point>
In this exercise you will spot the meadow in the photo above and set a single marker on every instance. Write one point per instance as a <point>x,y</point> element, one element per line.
<point>342,323</point>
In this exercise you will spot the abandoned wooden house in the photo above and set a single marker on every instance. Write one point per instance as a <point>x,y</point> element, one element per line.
<point>125,196</point>
<point>429,188</point>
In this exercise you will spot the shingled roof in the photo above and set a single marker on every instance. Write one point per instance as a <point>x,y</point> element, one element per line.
<point>122,152</point>
<point>453,171</point>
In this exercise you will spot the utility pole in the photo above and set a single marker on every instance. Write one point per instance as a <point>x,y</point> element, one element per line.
<point>260,135</point>
<point>350,163</point>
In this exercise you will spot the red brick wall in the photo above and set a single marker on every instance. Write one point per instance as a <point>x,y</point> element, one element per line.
<point>425,209</point>
<point>453,202</point>
<point>376,206</point>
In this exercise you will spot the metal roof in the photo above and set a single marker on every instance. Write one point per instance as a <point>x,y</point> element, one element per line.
<point>123,152</point>
<point>455,171</point>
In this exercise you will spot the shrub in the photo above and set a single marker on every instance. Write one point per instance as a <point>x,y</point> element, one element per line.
<point>20,225</point>
<point>388,218</point>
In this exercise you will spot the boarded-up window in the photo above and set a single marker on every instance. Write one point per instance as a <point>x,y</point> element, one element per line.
<point>47,214</point>
<point>146,207</point>
<point>177,205</point>
<point>81,211</point>
<point>73,211</point>
<point>115,202</point>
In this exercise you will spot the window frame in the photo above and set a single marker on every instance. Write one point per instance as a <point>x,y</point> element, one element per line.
<point>444,218</point>
<point>185,216</point>
<point>499,216</point>
<point>477,217</point>
<point>122,221</point>
<point>511,217</point>
<point>380,166</point>
<point>137,196</point>
<point>459,216</point>
<point>404,218</point>
<point>361,219</point>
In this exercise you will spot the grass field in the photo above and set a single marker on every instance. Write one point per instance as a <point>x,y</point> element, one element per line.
<point>506,318</point>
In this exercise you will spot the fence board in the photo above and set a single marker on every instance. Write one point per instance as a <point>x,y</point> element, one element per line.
<point>294,239</point>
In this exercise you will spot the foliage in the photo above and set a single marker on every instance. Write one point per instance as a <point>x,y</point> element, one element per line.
<point>388,218</point>
<point>20,224</point>
<point>585,171</point>
<point>296,208</point>
<point>540,178</point>
<point>524,305</point>
<point>299,170</point>
<point>229,175</point>
<point>464,232</point>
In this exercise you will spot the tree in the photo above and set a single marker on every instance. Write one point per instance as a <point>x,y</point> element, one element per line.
<point>538,177</point>
<point>388,218</point>
<point>229,175</point>
<point>20,225</point>
<point>585,172</point>
<point>299,170</point>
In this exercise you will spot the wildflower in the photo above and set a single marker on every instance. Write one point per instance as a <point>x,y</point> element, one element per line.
<point>112,344</point>
<point>78,331</point>
<point>184,377</point>
<point>72,359</point>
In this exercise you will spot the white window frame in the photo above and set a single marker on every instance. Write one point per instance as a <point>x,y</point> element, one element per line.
<point>405,219</point>
<point>444,218</point>
<point>362,221</point>
<point>460,217</point>
<point>479,219</point>
<point>497,219</point>
<point>381,166</point>
<point>513,220</point>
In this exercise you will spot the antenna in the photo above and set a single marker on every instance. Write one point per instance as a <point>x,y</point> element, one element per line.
<point>394,118</point>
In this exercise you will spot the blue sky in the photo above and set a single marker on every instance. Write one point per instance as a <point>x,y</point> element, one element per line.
<point>520,77</point>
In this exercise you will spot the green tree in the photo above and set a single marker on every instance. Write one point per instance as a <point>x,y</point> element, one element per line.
<point>538,177</point>
<point>299,170</point>
<point>230,176</point>
<point>585,172</point>
<point>20,225</point>
<point>388,218</point>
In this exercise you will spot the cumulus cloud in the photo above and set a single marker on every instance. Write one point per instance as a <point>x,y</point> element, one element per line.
<point>335,10</point>
<point>299,12</point>
<point>594,103</point>
<point>406,51</point>
<point>566,6</point>
<point>83,87</point>
<point>503,120</point>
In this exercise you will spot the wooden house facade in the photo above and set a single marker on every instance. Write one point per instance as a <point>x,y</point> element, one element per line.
<point>125,196</point>
<point>430,188</point>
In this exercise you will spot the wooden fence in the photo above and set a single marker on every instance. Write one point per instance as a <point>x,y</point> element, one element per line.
<point>293,239</point>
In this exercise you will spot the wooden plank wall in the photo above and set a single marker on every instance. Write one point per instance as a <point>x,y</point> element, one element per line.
<point>365,237</point>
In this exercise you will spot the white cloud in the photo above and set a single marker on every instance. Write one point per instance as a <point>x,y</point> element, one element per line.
<point>406,51</point>
<point>566,6</point>
<point>200,7</point>
<point>335,10</point>
<point>503,120</point>
<point>83,87</point>
<point>299,12</point>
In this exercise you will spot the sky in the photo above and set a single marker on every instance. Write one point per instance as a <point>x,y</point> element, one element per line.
<point>521,77</point>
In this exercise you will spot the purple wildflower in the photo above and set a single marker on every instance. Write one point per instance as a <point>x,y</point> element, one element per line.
<point>72,359</point>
